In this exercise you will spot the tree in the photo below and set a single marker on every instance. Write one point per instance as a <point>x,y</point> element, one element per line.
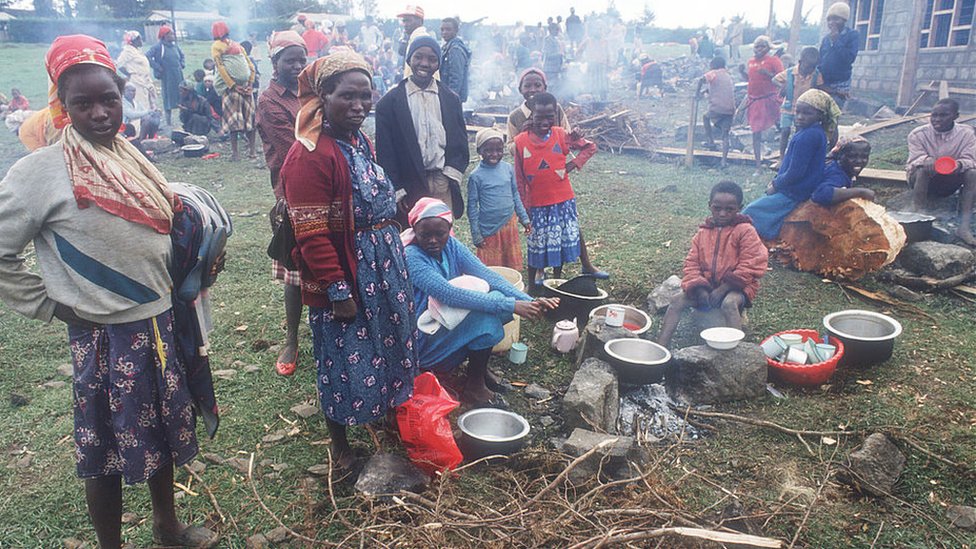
<point>44,8</point>
<point>795,25</point>
<point>648,16</point>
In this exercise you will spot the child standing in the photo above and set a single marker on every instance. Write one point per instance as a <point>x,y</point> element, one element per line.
<point>802,168</point>
<point>531,82</point>
<point>794,82</point>
<point>723,266</point>
<point>721,104</point>
<point>542,172</point>
<point>494,205</point>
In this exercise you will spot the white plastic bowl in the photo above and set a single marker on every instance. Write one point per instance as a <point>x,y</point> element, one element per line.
<point>722,338</point>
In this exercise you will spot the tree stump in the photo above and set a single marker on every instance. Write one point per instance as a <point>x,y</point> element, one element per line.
<point>594,336</point>
<point>845,241</point>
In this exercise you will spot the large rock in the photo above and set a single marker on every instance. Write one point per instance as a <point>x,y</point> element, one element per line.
<point>876,465</point>
<point>937,260</point>
<point>962,516</point>
<point>388,474</point>
<point>592,400</point>
<point>594,336</point>
<point>703,375</point>
<point>661,297</point>
<point>607,459</point>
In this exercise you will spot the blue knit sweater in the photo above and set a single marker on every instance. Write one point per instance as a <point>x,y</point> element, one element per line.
<point>492,199</point>
<point>803,165</point>
<point>430,276</point>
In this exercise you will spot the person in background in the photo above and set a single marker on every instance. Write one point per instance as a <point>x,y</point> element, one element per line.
<point>723,267</point>
<point>212,97</point>
<point>353,266</point>
<point>141,122</point>
<point>370,36</point>
<point>721,104</point>
<point>794,82</point>
<point>522,53</point>
<point>316,40</point>
<point>838,50</point>
<point>719,33</point>
<point>762,104</point>
<point>198,76</point>
<point>256,86</point>
<point>803,165</point>
<point>531,82</point>
<point>574,29</point>
<point>845,162</point>
<point>412,24</point>
<point>167,62</point>
<point>494,206</point>
<point>421,138</point>
<point>455,58</point>
<point>235,85</point>
<point>734,38</point>
<point>17,101</point>
<point>339,36</point>
<point>196,116</point>
<point>595,52</point>
<point>942,137</point>
<point>277,111</point>
<point>134,65</point>
<point>38,130</point>
<point>651,76</point>
<point>100,216</point>
<point>542,168</point>
<point>553,57</point>
<point>209,67</point>
<point>461,304</point>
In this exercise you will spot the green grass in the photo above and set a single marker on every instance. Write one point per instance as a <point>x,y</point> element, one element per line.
<point>635,230</point>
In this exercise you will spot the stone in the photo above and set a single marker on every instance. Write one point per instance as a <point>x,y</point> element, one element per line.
<point>659,299</point>
<point>388,474</point>
<point>703,375</point>
<point>73,543</point>
<point>24,461</point>
<point>606,460</point>
<point>251,368</point>
<point>213,458</point>
<point>539,393</point>
<point>238,464</point>
<point>592,400</point>
<point>962,516</point>
<point>197,466</point>
<point>257,541</point>
<point>17,400</point>
<point>158,145</point>
<point>66,370</point>
<point>876,465</point>
<point>129,518</point>
<point>904,294</point>
<point>277,535</point>
<point>595,335</point>
<point>226,374</point>
<point>273,437</point>
<point>305,411</point>
<point>547,421</point>
<point>318,470</point>
<point>937,260</point>
<point>56,384</point>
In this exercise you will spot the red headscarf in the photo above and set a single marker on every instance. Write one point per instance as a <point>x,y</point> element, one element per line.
<point>219,29</point>
<point>66,52</point>
<point>163,31</point>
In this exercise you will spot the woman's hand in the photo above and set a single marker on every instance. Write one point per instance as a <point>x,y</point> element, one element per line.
<point>528,227</point>
<point>548,303</point>
<point>344,310</point>
<point>531,310</point>
<point>67,315</point>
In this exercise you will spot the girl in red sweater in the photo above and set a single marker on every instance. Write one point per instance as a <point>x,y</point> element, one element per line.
<point>723,267</point>
<point>542,174</point>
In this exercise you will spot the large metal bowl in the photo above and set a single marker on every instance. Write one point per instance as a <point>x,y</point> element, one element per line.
<point>869,337</point>
<point>572,305</point>
<point>490,431</point>
<point>635,320</point>
<point>637,361</point>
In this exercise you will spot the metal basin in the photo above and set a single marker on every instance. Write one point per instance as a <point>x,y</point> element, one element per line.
<point>918,227</point>
<point>637,361</point>
<point>490,431</point>
<point>572,305</point>
<point>635,320</point>
<point>869,337</point>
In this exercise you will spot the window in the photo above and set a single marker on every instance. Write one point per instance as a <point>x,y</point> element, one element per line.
<point>866,15</point>
<point>947,23</point>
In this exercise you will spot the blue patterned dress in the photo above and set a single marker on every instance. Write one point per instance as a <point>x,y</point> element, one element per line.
<point>367,366</point>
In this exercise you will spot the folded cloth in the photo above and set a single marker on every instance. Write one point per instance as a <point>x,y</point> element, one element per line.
<point>440,315</point>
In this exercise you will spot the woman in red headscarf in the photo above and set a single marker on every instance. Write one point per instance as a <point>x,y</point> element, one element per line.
<point>235,88</point>
<point>100,215</point>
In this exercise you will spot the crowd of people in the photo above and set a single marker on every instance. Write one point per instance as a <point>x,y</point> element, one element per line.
<point>383,303</point>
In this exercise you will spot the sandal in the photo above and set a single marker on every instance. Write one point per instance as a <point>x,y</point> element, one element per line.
<point>195,537</point>
<point>286,368</point>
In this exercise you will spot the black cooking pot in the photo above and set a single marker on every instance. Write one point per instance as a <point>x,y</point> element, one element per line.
<point>918,227</point>
<point>194,150</point>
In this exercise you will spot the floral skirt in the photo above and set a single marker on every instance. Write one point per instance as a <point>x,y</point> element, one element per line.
<point>555,236</point>
<point>503,248</point>
<point>367,366</point>
<point>133,410</point>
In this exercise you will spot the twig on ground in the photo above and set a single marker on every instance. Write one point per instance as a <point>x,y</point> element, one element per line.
<point>210,494</point>
<point>806,516</point>
<point>575,463</point>
<point>698,533</point>
<point>878,535</point>
<point>292,533</point>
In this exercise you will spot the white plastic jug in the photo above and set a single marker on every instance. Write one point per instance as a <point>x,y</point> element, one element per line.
<point>565,336</point>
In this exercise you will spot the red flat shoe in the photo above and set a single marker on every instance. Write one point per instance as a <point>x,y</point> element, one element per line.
<point>286,368</point>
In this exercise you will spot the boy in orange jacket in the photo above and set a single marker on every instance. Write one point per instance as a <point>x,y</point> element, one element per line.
<point>723,267</point>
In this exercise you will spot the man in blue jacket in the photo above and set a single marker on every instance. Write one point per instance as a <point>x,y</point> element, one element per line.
<point>455,59</point>
<point>838,50</point>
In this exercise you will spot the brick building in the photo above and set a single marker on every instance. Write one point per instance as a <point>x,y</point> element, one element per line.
<point>907,44</point>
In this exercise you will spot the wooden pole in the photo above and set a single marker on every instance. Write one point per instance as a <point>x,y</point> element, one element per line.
<point>795,25</point>
<point>772,19</point>
<point>690,151</point>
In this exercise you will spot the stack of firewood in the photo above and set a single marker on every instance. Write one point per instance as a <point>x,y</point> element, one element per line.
<point>620,130</point>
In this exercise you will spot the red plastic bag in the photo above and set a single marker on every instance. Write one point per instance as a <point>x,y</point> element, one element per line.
<point>424,427</point>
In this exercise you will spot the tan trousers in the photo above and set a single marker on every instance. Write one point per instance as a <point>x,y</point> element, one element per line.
<point>438,186</point>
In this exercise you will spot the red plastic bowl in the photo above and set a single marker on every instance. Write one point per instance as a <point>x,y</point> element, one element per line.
<point>806,374</point>
<point>945,165</point>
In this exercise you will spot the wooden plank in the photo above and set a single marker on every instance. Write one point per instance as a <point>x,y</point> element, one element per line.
<point>674,151</point>
<point>864,130</point>
<point>882,176</point>
<point>951,90</point>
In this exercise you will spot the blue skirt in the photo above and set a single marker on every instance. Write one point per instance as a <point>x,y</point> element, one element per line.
<point>133,410</point>
<point>367,366</point>
<point>769,212</point>
<point>446,349</point>
<point>555,236</point>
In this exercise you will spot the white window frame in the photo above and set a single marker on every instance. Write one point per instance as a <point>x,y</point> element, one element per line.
<point>954,26</point>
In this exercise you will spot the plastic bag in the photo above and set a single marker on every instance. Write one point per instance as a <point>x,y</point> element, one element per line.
<point>424,427</point>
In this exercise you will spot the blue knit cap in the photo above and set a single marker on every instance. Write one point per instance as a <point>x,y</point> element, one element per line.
<point>420,42</point>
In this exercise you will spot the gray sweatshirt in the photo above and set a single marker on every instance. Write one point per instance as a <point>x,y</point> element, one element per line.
<point>107,269</point>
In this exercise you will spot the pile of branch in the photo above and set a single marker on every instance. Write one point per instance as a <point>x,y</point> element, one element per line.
<point>619,130</point>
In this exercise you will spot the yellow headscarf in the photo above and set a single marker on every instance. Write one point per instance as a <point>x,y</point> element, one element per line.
<point>308,123</point>
<point>822,101</point>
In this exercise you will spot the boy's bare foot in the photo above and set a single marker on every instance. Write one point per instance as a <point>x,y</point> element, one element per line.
<point>196,537</point>
<point>966,236</point>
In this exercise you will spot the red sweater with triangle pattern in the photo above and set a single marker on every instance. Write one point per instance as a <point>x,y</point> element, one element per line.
<point>540,166</point>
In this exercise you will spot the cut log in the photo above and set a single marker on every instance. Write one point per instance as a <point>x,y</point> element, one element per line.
<point>845,241</point>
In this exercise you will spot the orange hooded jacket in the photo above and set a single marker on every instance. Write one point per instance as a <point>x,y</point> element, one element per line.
<point>734,254</point>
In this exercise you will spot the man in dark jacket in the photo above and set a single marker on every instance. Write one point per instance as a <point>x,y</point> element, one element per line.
<point>421,139</point>
<point>455,60</point>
